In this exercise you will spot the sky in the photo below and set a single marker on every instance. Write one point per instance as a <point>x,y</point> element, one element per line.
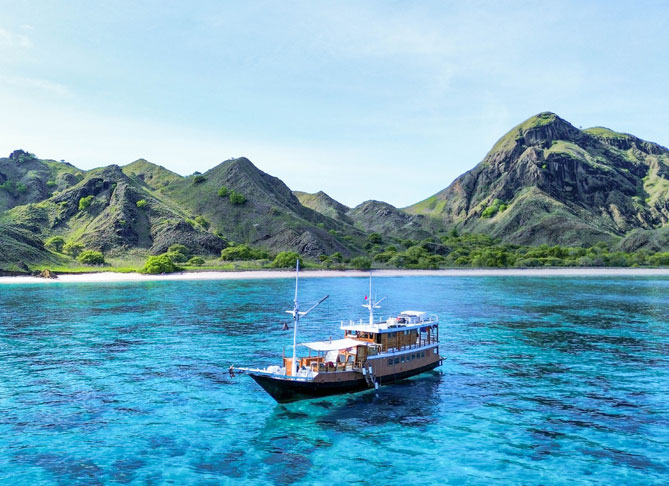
<point>387,100</point>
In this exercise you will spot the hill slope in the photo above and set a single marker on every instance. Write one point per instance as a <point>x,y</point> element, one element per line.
<point>324,204</point>
<point>270,215</point>
<point>546,181</point>
<point>26,179</point>
<point>110,220</point>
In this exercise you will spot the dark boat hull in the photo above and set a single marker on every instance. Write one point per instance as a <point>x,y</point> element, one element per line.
<point>286,390</point>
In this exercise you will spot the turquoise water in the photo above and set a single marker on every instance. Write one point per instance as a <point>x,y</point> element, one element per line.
<point>547,381</point>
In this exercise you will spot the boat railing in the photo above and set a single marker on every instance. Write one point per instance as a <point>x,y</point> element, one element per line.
<point>332,367</point>
<point>431,319</point>
<point>419,343</point>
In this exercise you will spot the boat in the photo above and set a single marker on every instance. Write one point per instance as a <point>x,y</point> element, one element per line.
<point>373,353</point>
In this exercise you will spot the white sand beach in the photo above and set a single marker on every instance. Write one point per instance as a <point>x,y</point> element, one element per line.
<point>107,277</point>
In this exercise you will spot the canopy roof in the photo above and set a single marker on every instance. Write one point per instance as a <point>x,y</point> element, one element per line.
<point>334,345</point>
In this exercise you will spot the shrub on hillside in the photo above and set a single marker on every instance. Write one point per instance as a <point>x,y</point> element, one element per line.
<point>179,248</point>
<point>361,263</point>
<point>141,203</point>
<point>73,248</point>
<point>196,261</point>
<point>178,253</point>
<point>236,198</point>
<point>55,243</point>
<point>659,259</point>
<point>199,179</point>
<point>85,202</point>
<point>285,259</point>
<point>160,264</point>
<point>243,252</point>
<point>202,222</point>
<point>91,257</point>
<point>374,239</point>
<point>497,206</point>
<point>223,192</point>
<point>8,186</point>
<point>337,257</point>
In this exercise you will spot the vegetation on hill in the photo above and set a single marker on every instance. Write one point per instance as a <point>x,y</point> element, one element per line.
<point>482,251</point>
<point>547,182</point>
<point>547,194</point>
<point>160,264</point>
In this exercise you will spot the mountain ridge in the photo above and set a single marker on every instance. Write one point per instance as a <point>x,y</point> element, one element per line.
<point>599,185</point>
<point>543,182</point>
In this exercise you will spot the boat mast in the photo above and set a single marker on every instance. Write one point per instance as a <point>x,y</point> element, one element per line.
<point>296,318</point>
<point>297,314</point>
<point>371,301</point>
<point>371,305</point>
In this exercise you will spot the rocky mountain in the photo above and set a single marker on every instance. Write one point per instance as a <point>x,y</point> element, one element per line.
<point>26,179</point>
<point>324,204</point>
<point>546,181</point>
<point>385,219</point>
<point>247,205</point>
<point>103,212</point>
<point>20,247</point>
<point>369,216</point>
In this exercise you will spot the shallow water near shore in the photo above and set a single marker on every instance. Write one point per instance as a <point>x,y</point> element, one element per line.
<point>548,380</point>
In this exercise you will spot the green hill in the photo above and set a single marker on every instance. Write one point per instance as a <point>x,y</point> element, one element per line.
<point>247,205</point>
<point>548,182</point>
<point>545,182</point>
<point>102,213</point>
<point>324,204</point>
<point>26,179</point>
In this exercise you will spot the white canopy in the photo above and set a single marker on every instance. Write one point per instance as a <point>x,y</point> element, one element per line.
<point>333,345</point>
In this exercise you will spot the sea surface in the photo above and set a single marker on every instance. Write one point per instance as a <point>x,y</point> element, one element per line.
<point>546,381</point>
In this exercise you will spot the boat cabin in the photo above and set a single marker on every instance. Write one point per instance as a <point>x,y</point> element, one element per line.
<point>407,330</point>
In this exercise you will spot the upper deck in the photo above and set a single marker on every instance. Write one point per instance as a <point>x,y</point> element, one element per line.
<point>405,321</point>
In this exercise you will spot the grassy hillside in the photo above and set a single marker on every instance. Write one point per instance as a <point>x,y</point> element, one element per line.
<point>325,205</point>
<point>26,179</point>
<point>247,205</point>
<point>546,181</point>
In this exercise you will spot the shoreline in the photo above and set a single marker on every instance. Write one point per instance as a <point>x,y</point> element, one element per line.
<point>110,277</point>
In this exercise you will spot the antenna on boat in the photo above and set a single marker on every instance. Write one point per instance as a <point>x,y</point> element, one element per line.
<point>371,305</point>
<point>297,314</point>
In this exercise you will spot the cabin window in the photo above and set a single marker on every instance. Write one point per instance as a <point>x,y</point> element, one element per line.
<point>422,354</point>
<point>390,362</point>
<point>413,356</point>
<point>436,350</point>
<point>403,359</point>
<point>397,360</point>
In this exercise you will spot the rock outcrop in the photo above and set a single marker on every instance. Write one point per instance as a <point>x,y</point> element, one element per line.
<point>546,181</point>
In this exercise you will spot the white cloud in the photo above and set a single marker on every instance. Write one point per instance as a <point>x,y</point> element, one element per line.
<point>44,85</point>
<point>9,39</point>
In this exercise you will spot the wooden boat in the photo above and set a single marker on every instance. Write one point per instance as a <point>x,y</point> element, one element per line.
<point>370,354</point>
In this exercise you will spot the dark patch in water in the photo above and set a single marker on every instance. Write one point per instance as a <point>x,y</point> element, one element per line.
<point>230,464</point>
<point>66,470</point>
<point>625,458</point>
<point>288,414</point>
<point>168,444</point>
<point>287,467</point>
<point>124,470</point>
